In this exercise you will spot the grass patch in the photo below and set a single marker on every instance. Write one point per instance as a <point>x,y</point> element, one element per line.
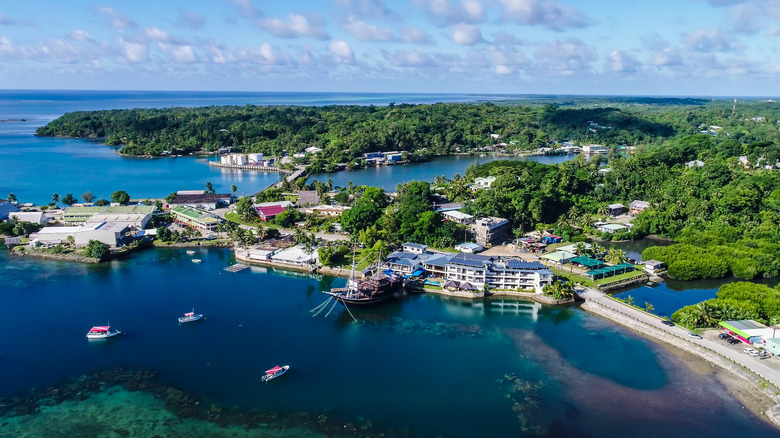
<point>235,217</point>
<point>574,278</point>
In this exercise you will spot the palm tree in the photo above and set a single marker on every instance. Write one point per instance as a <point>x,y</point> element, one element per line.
<point>602,211</point>
<point>55,198</point>
<point>579,249</point>
<point>616,256</point>
<point>630,300</point>
<point>234,189</point>
<point>595,249</point>
<point>649,307</point>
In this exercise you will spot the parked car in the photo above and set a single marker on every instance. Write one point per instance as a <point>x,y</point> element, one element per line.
<point>733,341</point>
<point>694,336</point>
<point>667,322</point>
<point>748,350</point>
<point>724,336</point>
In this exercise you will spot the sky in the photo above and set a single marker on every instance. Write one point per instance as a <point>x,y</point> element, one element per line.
<point>612,47</point>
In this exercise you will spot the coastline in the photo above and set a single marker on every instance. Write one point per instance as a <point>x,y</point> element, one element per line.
<point>744,384</point>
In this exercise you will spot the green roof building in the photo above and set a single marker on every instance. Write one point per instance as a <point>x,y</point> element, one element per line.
<point>195,218</point>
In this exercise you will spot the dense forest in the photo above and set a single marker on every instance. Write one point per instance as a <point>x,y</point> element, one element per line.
<point>347,131</point>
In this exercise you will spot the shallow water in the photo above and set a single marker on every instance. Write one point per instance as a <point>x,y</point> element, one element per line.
<point>424,365</point>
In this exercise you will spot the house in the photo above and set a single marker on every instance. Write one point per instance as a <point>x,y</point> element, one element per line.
<point>299,155</point>
<point>415,248</point>
<point>308,197</point>
<point>612,228</point>
<point>6,208</point>
<point>447,206</point>
<point>314,150</point>
<point>591,149</point>
<point>202,200</point>
<point>393,158</point>
<point>483,183</point>
<point>616,209</point>
<point>36,217</point>
<point>694,163</point>
<point>636,207</point>
<point>195,218</point>
<point>458,217</point>
<point>436,265</point>
<point>550,239</point>
<point>326,210</point>
<point>469,247</point>
<point>405,262</point>
<point>270,212</point>
<point>490,230</point>
<point>653,266</point>
<point>263,254</point>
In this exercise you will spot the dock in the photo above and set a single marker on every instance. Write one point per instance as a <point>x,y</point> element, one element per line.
<point>248,167</point>
<point>237,267</point>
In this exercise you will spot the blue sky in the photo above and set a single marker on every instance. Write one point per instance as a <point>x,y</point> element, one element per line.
<point>663,47</point>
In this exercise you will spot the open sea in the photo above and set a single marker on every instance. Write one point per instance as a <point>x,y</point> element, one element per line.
<point>421,366</point>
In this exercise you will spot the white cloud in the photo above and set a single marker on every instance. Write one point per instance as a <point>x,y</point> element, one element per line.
<point>367,32</point>
<point>191,19</point>
<point>666,57</point>
<point>245,8</point>
<point>116,19</point>
<point>620,61</point>
<point>414,35</point>
<point>466,34</point>
<point>369,9</point>
<point>342,52</point>
<point>503,70</point>
<point>133,52</point>
<point>177,53</point>
<point>296,25</point>
<point>81,35</point>
<point>708,41</point>
<point>410,58</point>
<point>564,58</point>
<point>447,12</point>
<point>550,14</point>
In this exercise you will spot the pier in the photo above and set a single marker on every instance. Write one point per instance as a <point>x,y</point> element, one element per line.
<point>248,167</point>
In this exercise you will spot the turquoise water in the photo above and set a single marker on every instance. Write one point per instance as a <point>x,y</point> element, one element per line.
<point>427,364</point>
<point>34,168</point>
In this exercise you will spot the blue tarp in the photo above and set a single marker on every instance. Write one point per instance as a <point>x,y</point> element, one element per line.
<point>418,272</point>
<point>388,272</point>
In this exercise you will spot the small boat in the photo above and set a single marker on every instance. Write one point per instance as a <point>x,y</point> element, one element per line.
<point>196,260</point>
<point>102,332</point>
<point>190,316</point>
<point>274,372</point>
<point>190,252</point>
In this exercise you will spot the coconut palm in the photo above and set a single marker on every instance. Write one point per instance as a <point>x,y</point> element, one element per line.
<point>630,300</point>
<point>649,307</point>
<point>595,249</point>
<point>616,256</point>
<point>579,249</point>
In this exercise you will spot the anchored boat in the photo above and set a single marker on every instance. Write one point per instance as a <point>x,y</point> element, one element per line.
<point>274,372</point>
<point>101,332</point>
<point>189,317</point>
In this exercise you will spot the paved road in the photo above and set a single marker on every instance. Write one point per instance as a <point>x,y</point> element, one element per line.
<point>756,365</point>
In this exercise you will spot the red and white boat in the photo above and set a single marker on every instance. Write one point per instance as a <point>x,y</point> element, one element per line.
<point>275,372</point>
<point>189,317</point>
<point>102,332</point>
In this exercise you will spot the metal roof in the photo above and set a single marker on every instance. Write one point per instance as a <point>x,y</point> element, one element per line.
<point>587,261</point>
<point>611,269</point>
<point>415,245</point>
<point>466,259</point>
<point>522,264</point>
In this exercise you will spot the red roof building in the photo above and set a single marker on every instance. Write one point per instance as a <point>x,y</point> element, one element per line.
<point>270,212</point>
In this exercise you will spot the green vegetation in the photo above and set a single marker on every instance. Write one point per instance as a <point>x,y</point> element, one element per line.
<point>735,301</point>
<point>559,290</point>
<point>619,277</point>
<point>120,197</point>
<point>97,250</point>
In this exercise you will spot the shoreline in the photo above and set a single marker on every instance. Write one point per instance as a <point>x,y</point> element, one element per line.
<point>744,384</point>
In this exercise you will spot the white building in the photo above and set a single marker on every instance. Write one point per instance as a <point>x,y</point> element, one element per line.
<point>314,150</point>
<point>138,220</point>
<point>254,158</point>
<point>458,217</point>
<point>234,159</point>
<point>296,256</point>
<point>36,217</point>
<point>593,149</point>
<point>112,234</point>
<point>511,274</point>
<point>484,183</point>
<point>469,247</point>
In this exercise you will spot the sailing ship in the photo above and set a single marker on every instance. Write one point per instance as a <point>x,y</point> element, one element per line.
<point>274,372</point>
<point>189,317</point>
<point>374,290</point>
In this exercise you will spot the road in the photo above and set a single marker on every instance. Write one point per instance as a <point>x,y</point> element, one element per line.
<point>768,370</point>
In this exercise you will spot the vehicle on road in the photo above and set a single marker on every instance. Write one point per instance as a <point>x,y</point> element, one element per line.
<point>694,336</point>
<point>667,322</point>
<point>748,350</point>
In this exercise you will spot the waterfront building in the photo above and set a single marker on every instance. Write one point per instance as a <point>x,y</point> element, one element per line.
<point>405,262</point>
<point>80,215</point>
<point>195,218</point>
<point>137,220</point>
<point>592,149</point>
<point>254,158</point>
<point>436,265</point>
<point>295,256</point>
<point>6,208</point>
<point>611,228</point>
<point>36,217</point>
<point>497,273</point>
<point>112,234</point>
<point>458,217</point>
<point>490,230</point>
<point>653,266</point>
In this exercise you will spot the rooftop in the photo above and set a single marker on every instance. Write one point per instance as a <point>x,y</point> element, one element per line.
<point>110,209</point>
<point>197,214</point>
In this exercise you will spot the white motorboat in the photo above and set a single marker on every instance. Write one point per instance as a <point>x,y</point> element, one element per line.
<point>102,332</point>
<point>275,372</point>
<point>196,260</point>
<point>190,252</point>
<point>190,316</point>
